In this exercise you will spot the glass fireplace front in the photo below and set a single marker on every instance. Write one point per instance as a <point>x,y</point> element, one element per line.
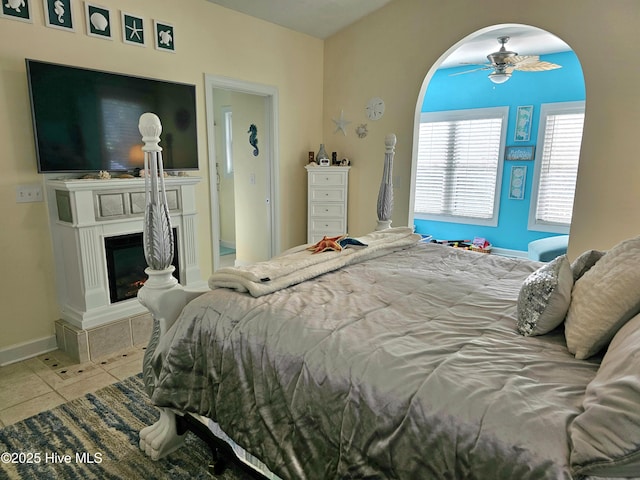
<point>126,265</point>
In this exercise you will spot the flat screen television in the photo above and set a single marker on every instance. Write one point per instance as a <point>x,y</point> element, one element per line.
<point>87,120</point>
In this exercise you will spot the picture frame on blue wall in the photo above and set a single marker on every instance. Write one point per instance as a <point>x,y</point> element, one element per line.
<point>524,118</point>
<point>59,14</point>
<point>16,10</point>
<point>519,153</point>
<point>517,182</point>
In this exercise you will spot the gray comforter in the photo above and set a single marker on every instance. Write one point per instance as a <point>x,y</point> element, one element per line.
<point>405,366</point>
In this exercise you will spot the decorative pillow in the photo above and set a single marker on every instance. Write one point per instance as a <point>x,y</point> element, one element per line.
<point>606,436</point>
<point>604,299</point>
<point>584,262</point>
<point>544,297</point>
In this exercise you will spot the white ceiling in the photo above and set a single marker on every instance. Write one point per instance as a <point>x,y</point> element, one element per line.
<point>323,18</point>
<point>318,18</point>
<point>524,40</point>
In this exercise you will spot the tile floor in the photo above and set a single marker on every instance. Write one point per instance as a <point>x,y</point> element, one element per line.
<point>46,381</point>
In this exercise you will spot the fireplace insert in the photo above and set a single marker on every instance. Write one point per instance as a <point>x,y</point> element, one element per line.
<point>126,265</point>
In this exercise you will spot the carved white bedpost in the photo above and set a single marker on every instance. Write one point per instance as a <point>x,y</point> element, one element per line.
<point>385,196</point>
<point>161,293</point>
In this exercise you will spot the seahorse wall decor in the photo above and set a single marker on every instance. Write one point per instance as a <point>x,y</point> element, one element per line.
<point>253,139</point>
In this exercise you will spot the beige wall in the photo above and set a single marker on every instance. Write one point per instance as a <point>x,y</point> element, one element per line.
<point>389,53</point>
<point>209,39</point>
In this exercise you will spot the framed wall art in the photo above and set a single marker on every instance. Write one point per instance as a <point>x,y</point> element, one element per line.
<point>16,10</point>
<point>132,29</point>
<point>524,117</point>
<point>517,182</point>
<point>98,20</point>
<point>519,153</point>
<point>59,14</point>
<point>165,36</point>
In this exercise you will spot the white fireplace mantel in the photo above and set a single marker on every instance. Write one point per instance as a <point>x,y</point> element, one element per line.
<point>83,213</point>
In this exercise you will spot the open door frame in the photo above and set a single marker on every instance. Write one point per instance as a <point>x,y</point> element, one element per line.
<point>271,105</point>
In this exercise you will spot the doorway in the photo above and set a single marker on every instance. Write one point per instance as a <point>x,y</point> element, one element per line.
<point>458,92</point>
<point>243,173</point>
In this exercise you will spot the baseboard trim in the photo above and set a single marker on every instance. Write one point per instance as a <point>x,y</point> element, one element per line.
<point>506,252</point>
<point>23,351</point>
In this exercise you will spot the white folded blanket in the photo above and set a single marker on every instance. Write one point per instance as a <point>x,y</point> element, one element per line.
<point>299,264</point>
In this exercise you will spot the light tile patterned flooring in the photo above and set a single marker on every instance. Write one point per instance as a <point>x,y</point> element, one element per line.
<point>46,381</point>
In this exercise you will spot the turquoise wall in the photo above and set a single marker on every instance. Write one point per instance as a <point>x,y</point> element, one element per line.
<point>475,90</point>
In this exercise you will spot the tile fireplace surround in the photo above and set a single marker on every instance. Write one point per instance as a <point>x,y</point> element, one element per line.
<point>82,213</point>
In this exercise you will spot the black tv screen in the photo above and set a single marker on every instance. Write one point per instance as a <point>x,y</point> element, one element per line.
<point>87,120</point>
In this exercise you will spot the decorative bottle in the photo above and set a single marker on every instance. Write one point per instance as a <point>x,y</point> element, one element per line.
<point>322,154</point>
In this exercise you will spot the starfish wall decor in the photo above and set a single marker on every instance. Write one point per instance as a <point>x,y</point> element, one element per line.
<point>341,124</point>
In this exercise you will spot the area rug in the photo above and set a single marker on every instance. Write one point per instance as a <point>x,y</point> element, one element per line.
<point>96,437</point>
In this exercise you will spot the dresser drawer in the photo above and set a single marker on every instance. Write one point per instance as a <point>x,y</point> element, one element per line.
<point>327,225</point>
<point>326,209</point>
<point>316,237</point>
<point>327,195</point>
<point>327,179</point>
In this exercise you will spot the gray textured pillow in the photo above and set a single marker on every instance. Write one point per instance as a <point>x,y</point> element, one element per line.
<point>606,436</point>
<point>584,262</point>
<point>544,298</point>
<point>604,299</point>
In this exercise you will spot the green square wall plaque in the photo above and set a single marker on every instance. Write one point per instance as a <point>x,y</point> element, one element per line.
<point>58,14</point>
<point>98,21</point>
<point>165,36</point>
<point>132,29</point>
<point>16,10</point>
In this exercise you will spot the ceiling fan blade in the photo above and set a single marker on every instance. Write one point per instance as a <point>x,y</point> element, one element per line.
<point>519,59</point>
<point>536,67</point>
<point>486,67</point>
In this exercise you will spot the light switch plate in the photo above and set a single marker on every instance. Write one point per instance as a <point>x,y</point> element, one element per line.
<point>29,193</point>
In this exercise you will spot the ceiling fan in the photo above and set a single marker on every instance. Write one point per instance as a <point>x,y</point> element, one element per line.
<point>504,62</point>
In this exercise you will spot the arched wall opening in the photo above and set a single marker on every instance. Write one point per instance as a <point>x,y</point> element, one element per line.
<point>440,91</point>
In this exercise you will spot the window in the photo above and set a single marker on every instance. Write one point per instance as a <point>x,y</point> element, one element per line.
<point>227,115</point>
<point>556,166</point>
<point>459,165</point>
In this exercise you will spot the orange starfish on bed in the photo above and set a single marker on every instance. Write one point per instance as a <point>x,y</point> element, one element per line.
<point>327,243</point>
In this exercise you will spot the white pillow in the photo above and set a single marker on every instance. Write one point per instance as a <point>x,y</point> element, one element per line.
<point>604,299</point>
<point>544,298</point>
<point>605,438</point>
<point>584,262</point>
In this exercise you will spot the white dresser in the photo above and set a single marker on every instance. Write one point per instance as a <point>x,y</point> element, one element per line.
<point>328,191</point>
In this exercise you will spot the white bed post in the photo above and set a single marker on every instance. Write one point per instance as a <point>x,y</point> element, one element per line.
<point>161,293</point>
<point>385,196</point>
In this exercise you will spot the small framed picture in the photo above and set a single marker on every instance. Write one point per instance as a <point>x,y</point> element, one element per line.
<point>519,153</point>
<point>165,36</point>
<point>98,20</point>
<point>17,10</point>
<point>517,182</point>
<point>59,14</point>
<point>524,118</point>
<point>132,29</point>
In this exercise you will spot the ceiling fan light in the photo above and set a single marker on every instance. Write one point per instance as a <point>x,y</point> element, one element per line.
<point>497,77</point>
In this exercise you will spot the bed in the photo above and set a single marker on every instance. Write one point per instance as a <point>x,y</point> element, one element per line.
<point>403,359</point>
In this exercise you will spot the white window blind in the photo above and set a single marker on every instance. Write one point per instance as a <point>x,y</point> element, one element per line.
<point>458,165</point>
<point>559,140</point>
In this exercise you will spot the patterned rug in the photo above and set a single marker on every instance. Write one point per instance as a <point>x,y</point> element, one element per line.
<point>96,437</point>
